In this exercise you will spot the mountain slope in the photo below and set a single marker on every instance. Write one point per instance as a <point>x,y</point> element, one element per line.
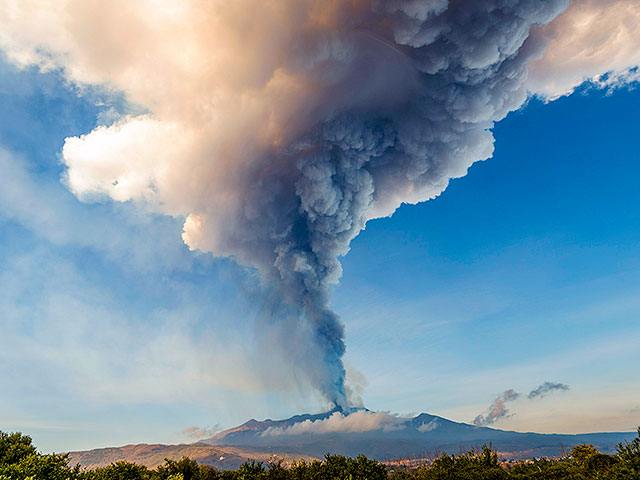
<point>377,435</point>
<point>223,458</point>
<point>423,435</point>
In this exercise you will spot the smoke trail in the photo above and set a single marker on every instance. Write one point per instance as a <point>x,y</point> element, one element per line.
<point>278,129</point>
<point>497,410</point>
<point>545,389</point>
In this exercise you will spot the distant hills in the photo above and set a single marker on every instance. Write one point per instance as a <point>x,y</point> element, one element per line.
<point>152,455</point>
<point>377,435</point>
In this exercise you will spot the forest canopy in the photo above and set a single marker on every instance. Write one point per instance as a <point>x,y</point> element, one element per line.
<point>20,460</point>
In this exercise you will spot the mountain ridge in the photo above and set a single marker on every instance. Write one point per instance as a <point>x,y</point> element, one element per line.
<point>378,435</point>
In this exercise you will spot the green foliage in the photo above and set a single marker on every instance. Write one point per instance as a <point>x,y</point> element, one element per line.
<point>184,469</point>
<point>251,470</point>
<point>19,460</point>
<point>277,471</point>
<point>401,474</point>
<point>14,447</point>
<point>39,467</point>
<point>339,467</point>
<point>542,470</point>
<point>120,471</point>
<point>207,472</point>
<point>473,465</point>
<point>629,453</point>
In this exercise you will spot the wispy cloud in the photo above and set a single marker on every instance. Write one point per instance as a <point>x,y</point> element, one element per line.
<point>199,432</point>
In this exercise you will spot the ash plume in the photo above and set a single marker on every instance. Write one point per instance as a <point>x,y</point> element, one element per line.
<point>545,389</point>
<point>278,129</point>
<point>497,410</point>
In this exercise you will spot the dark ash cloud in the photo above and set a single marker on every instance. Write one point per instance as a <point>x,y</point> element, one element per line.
<point>412,109</point>
<point>545,389</point>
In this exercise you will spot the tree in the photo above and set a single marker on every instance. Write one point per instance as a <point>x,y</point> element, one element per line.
<point>473,465</point>
<point>189,469</point>
<point>629,452</point>
<point>14,447</point>
<point>120,471</point>
<point>277,471</point>
<point>251,470</point>
<point>40,467</point>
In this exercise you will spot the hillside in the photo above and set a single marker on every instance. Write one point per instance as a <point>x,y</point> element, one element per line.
<point>312,436</point>
<point>422,435</point>
<point>223,458</point>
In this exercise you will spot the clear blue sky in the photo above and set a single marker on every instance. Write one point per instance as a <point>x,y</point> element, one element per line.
<point>526,270</point>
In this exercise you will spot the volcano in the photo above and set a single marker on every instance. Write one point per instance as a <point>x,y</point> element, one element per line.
<point>375,434</point>
<point>393,437</point>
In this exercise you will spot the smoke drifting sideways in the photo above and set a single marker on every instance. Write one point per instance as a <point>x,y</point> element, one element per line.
<point>545,389</point>
<point>277,129</point>
<point>201,432</point>
<point>497,410</point>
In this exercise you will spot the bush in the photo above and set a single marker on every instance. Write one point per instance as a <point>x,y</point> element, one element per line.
<point>19,460</point>
<point>473,465</point>
<point>14,447</point>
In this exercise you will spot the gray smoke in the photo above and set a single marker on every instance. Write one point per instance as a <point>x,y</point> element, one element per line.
<point>284,131</point>
<point>497,410</point>
<point>545,389</point>
<point>414,111</point>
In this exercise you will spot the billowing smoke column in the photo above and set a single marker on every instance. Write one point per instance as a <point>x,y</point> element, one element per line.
<point>416,88</point>
<point>279,128</point>
<point>413,89</point>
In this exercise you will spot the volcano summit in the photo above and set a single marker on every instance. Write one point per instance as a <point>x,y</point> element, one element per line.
<point>378,435</point>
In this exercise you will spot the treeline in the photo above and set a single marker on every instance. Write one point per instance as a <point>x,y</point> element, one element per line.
<point>19,460</point>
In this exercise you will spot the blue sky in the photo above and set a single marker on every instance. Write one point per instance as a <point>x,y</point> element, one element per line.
<point>523,271</point>
<point>113,331</point>
<point>529,259</point>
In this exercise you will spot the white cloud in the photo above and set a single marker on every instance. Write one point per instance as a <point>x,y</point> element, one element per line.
<point>359,421</point>
<point>225,85</point>
<point>200,432</point>
<point>278,129</point>
<point>119,232</point>
<point>592,38</point>
<point>80,333</point>
<point>429,426</point>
